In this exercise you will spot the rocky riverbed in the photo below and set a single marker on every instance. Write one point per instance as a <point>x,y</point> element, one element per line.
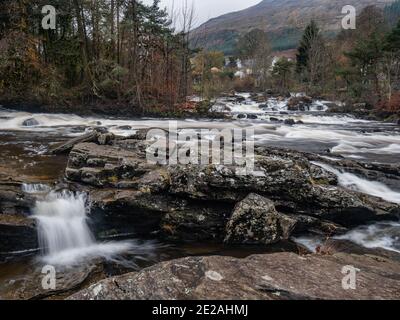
<point>315,177</point>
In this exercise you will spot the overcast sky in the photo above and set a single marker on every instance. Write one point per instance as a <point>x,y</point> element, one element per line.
<point>207,9</point>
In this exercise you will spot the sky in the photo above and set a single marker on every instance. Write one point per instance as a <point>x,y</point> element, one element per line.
<point>207,9</point>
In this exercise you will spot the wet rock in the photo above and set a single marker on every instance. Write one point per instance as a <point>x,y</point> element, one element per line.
<point>274,119</point>
<point>18,236</point>
<point>141,134</point>
<point>256,221</point>
<point>280,276</point>
<point>17,231</point>
<point>67,146</point>
<point>252,116</point>
<point>142,213</point>
<point>290,122</point>
<point>30,122</point>
<point>105,138</point>
<point>241,116</point>
<point>196,222</point>
<point>124,128</point>
<point>240,99</point>
<point>302,103</point>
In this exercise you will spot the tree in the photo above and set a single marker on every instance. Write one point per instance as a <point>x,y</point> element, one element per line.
<point>250,43</point>
<point>310,37</point>
<point>282,72</point>
<point>205,72</point>
<point>255,48</point>
<point>100,51</point>
<point>391,61</point>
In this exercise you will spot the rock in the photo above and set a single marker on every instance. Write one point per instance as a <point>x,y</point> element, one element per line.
<point>67,146</point>
<point>103,166</point>
<point>292,183</point>
<point>18,236</point>
<point>68,280</point>
<point>124,128</point>
<point>240,99</point>
<point>274,119</point>
<point>335,246</point>
<point>141,134</point>
<point>299,122</point>
<point>18,233</point>
<point>30,122</point>
<point>290,122</point>
<point>256,221</point>
<point>252,116</point>
<point>241,116</point>
<point>280,276</point>
<point>301,103</point>
<point>361,105</point>
<point>105,138</point>
<point>302,191</point>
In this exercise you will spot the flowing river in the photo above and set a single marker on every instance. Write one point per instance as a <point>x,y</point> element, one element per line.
<point>62,217</point>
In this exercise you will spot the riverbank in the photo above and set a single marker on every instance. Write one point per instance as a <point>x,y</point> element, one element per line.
<point>197,109</point>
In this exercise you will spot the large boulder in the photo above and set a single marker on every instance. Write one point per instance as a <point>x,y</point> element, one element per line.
<point>280,276</point>
<point>256,221</point>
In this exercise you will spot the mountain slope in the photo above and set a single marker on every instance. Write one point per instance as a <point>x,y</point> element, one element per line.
<point>284,20</point>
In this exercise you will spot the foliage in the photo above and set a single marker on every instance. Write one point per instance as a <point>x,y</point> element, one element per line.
<point>100,50</point>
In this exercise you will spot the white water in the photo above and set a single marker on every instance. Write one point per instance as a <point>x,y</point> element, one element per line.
<point>35,188</point>
<point>343,134</point>
<point>355,183</point>
<point>385,235</point>
<point>64,234</point>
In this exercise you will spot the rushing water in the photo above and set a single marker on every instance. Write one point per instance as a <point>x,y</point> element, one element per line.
<point>64,234</point>
<point>355,183</point>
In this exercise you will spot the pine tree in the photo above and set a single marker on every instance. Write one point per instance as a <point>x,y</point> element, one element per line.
<point>310,35</point>
<point>393,39</point>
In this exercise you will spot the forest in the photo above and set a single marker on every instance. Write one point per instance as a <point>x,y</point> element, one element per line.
<point>119,51</point>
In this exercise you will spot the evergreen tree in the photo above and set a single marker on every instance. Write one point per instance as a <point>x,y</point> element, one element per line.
<point>393,39</point>
<point>310,35</point>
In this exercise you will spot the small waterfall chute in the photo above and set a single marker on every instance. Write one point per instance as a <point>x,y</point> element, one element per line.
<point>65,237</point>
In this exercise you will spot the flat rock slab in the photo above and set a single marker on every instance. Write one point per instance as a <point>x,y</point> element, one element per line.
<point>281,276</point>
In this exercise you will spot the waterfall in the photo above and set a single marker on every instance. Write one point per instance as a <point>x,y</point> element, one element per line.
<point>62,222</point>
<point>355,183</point>
<point>64,235</point>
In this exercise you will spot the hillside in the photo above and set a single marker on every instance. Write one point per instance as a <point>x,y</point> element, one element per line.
<point>284,21</point>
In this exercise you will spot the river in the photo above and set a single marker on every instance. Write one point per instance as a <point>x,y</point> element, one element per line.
<point>63,219</point>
